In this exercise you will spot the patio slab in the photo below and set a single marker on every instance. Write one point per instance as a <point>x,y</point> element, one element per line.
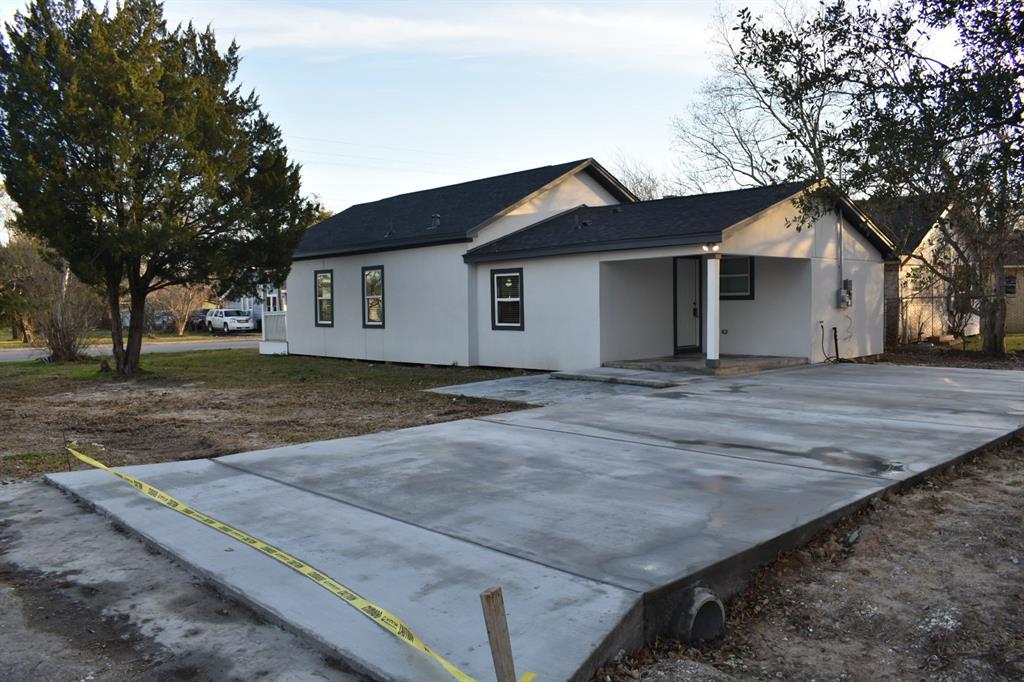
<point>595,516</point>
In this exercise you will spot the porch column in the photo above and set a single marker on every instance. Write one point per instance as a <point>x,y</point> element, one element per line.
<point>711,324</point>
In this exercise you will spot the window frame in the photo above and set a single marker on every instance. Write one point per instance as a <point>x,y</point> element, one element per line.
<point>366,308</point>
<point>1006,285</point>
<point>745,296</point>
<point>317,322</point>
<point>504,326</point>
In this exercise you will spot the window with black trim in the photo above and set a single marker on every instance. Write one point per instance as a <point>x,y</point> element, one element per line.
<point>323,294</point>
<point>373,296</point>
<point>507,299</point>
<point>1010,285</point>
<point>736,277</point>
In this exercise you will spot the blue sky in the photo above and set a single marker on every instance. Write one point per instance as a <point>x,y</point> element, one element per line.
<point>376,99</point>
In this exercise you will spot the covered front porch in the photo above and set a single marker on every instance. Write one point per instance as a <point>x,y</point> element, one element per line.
<point>704,311</point>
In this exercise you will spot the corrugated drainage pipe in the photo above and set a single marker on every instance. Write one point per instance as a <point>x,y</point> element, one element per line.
<point>702,617</point>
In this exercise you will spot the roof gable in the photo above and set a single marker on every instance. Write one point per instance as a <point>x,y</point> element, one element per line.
<point>908,220</point>
<point>442,215</point>
<point>661,222</point>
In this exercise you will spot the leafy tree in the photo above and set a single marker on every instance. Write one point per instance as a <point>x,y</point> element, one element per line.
<point>19,261</point>
<point>948,130</point>
<point>132,152</point>
<point>45,297</point>
<point>854,95</point>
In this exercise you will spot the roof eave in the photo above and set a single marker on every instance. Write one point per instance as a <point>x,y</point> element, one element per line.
<point>375,247</point>
<point>596,247</point>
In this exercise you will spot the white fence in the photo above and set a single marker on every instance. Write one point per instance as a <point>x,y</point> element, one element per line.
<point>275,327</point>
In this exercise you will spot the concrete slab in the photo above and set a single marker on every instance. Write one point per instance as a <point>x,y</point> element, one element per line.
<point>430,580</point>
<point>594,515</point>
<point>573,503</point>
<point>623,376</point>
<point>539,389</point>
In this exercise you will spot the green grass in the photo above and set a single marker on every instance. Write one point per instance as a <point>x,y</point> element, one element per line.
<point>1014,342</point>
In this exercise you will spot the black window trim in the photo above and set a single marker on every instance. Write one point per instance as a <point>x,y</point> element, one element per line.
<point>738,297</point>
<point>316,298</point>
<point>522,301</point>
<point>366,323</point>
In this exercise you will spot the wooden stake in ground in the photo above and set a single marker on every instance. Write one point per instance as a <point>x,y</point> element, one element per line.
<point>497,634</point>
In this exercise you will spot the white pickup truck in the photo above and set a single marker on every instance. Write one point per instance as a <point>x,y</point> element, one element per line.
<point>227,320</point>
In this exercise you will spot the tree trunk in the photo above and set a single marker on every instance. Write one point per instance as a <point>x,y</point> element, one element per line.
<point>116,327</point>
<point>137,306</point>
<point>993,318</point>
<point>23,328</point>
<point>181,322</point>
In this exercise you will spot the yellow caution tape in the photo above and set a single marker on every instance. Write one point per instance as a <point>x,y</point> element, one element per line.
<point>381,617</point>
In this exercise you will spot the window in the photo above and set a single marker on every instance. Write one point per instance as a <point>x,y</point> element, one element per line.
<point>324,297</point>
<point>736,277</point>
<point>373,296</point>
<point>507,299</point>
<point>1010,285</point>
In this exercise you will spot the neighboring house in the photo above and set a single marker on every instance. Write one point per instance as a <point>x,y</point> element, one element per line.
<point>560,267</point>
<point>919,305</point>
<point>266,299</point>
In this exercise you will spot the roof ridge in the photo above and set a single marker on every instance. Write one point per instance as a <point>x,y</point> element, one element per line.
<point>568,164</point>
<point>730,191</point>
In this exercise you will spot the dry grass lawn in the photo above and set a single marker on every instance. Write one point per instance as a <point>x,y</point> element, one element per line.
<point>215,402</point>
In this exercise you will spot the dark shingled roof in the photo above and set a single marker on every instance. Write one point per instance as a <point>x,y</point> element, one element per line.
<point>906,219</point>
<point>405,221</point>
<point>662,222</point>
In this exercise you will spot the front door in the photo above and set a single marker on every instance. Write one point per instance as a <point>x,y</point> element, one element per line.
<point>687,303</point>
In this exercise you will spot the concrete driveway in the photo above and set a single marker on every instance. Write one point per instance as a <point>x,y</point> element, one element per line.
<point>213,343</point>
<point>594,516</point>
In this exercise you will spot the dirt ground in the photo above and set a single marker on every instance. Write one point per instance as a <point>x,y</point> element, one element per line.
<point>926,584</point>
<point>80,600</point>
<point>216,402</point>
<point>951,357</point>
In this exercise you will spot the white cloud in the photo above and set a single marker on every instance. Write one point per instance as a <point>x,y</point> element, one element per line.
<point>662,36</point>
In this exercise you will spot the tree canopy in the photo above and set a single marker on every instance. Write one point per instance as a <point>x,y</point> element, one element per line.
<point>132,152</point>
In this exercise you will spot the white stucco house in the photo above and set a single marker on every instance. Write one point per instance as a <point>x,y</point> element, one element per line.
<point>561,267</point>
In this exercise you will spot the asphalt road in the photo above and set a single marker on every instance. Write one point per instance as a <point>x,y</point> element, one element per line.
<point>20,355</point>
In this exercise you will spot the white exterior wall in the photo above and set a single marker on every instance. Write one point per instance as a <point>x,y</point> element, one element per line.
<point>774,322</point>
<point>569,193</point>
<point>434,312</point>
<point>636,309</point>
<point>426,307</point>
<point>861,326</point>
<point>561,315</point>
